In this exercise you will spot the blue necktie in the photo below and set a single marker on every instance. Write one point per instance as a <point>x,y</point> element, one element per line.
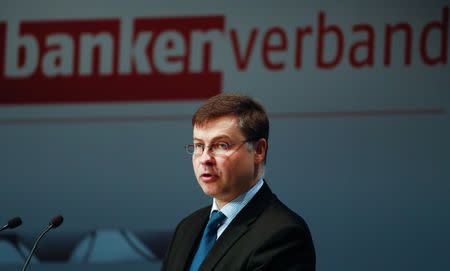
<point>208,239</point>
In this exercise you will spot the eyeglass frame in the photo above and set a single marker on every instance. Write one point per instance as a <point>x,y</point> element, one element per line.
<point>210,146</point>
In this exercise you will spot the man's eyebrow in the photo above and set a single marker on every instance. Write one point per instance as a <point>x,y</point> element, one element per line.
<point>214,138</point>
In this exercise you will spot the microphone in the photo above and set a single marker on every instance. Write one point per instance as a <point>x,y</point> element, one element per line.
<point>54,223</point>
<point>12,223</point>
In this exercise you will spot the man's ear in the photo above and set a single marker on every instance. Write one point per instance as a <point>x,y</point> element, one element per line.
<point>260,148</point>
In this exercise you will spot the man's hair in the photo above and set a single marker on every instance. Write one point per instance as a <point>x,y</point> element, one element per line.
<point>253,120</point>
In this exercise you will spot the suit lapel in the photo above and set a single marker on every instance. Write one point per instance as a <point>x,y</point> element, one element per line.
<point>240,225</point>
<point>190,239</point>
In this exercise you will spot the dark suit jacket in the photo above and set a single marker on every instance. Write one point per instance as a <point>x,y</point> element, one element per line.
<point>265,235</point>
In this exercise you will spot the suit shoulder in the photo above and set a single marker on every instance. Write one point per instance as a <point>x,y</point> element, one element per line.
<point>279,215</point>
<point>278,220</point>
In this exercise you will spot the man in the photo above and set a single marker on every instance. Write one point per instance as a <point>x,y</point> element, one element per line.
<point>247,227</point>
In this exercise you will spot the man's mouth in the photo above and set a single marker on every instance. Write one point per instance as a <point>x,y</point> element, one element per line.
<point>208,177</point>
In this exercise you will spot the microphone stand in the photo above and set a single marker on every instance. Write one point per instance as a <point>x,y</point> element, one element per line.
<point>27,262</point>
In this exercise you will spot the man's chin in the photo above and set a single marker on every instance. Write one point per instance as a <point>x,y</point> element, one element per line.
<point>210,190</point>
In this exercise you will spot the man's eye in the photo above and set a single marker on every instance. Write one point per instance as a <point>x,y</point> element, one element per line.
<point>223,145</point>
<point>198,146</point>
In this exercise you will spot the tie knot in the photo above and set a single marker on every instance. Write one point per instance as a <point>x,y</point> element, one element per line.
<point>216,219</point>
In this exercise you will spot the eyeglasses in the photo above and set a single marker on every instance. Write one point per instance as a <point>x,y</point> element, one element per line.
<point>215,149</point>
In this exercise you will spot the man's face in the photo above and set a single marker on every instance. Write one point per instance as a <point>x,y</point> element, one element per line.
<point>224,177</point>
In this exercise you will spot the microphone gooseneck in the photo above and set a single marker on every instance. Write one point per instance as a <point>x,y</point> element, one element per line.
<point>54,223</point>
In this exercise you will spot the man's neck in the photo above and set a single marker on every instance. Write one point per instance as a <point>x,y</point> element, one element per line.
<point>221,203</point>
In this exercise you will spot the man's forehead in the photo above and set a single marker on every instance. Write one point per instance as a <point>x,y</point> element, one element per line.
<point>223,126</point>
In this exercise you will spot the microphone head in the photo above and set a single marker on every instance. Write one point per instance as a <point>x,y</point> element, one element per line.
<point>56,221</point>
<point>14,222</point>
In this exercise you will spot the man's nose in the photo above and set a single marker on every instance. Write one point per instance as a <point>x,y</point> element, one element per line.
<point>206,157</point>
